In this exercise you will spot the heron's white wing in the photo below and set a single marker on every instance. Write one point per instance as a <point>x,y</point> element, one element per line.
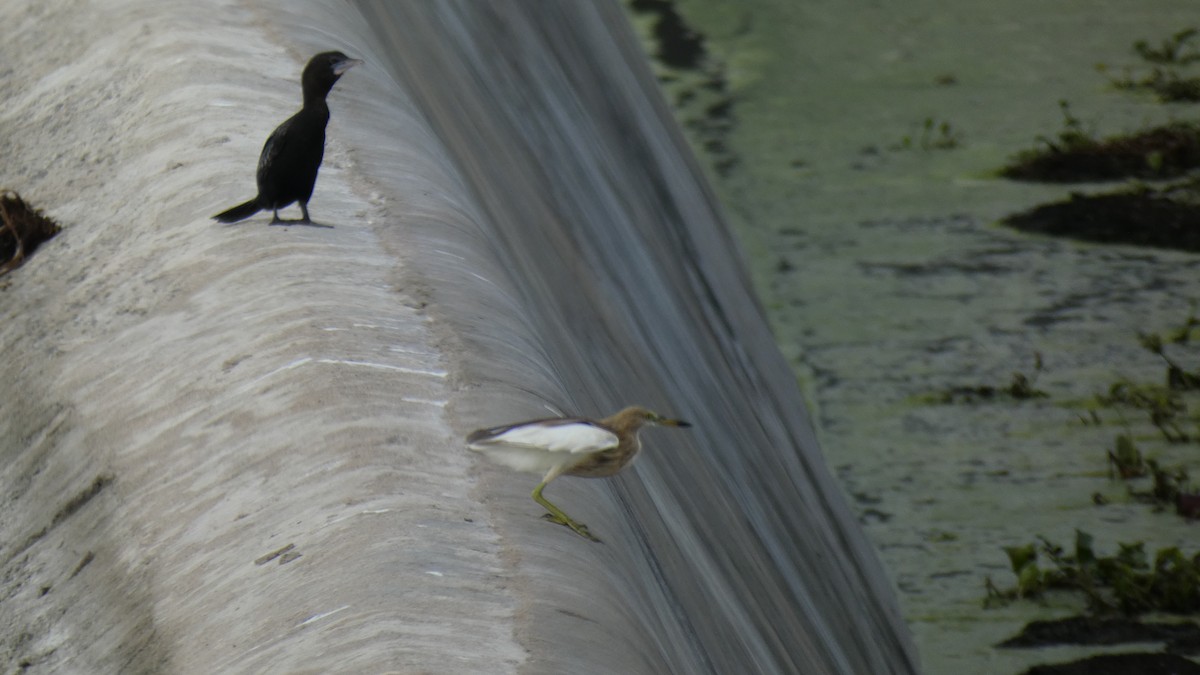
<point>550,436</point>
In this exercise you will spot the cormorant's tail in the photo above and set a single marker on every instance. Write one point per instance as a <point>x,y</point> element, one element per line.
<point>239,212</point>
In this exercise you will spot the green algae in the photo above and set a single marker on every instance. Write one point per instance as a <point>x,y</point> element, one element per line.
<point>884,281</point>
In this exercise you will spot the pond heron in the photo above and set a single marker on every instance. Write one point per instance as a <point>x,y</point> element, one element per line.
<point>570,446</point>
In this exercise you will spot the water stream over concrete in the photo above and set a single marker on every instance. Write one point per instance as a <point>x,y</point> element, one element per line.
<point>518,226</point>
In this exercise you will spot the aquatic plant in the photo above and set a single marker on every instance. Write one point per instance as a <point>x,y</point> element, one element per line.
<point>1075,154</point>
<point>1020,387</point>
<point>1126,582</point>
<point>1175,50</point>
<point>1126,458</point>
<point>1168,59</point>
<point>934,135</point>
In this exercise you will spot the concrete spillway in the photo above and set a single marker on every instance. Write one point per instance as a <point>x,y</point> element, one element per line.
<point>517,228</point>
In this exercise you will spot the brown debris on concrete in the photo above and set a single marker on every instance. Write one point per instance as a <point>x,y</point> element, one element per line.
<point>22,230</point>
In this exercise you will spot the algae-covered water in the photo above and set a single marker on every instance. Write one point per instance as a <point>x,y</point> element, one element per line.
<point>854,146</point>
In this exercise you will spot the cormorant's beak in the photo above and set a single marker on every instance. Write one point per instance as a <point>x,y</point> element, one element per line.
<point>343,66</point>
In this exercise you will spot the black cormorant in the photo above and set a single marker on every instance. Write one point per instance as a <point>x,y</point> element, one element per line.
<point>287,168</point>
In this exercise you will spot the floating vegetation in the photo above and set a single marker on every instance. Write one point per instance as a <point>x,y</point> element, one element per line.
<point>934,135</point>
<point>1166,404</point>
<point>1127,582</point>
<point>1020,388</point>
<point>1166,407</point>
<point>1178,379</point>
<point>1091,630</point>
<point>1126,458</point>
<point>1168,85</point>
<point>1171,488</point>
<point>1165,77</point>
<point>1177,50</point>
<point>1077,155</point>
<point>1136,663</point>
<point>1166,217</point>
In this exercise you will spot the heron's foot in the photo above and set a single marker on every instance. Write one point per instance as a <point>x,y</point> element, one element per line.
<point>579,528</point>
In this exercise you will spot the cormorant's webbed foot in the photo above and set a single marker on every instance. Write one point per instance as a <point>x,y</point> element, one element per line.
<point>300,221</point>
<point>303,220</point>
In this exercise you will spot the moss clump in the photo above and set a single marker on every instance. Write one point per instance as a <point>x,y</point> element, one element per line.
<point>1075,155</point>
<point>1141,216</point>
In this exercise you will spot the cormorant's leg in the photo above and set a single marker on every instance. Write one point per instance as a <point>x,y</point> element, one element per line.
<point>276,220</point>
<point>304,210</point>
<point>556,514</point>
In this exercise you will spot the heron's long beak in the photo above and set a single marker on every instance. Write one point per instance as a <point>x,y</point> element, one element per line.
<point>672,423</point>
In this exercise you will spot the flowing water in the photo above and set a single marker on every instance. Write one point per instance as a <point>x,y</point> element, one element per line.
<point>239,448</point>
<point>590,269</point>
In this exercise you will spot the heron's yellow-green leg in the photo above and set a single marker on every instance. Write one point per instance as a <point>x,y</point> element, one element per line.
<point>556,514</point>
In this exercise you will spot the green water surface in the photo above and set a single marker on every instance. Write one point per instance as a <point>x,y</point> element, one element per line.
<point>854,146</point>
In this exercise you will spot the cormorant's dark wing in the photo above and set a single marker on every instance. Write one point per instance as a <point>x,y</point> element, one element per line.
<point>275,146</point>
